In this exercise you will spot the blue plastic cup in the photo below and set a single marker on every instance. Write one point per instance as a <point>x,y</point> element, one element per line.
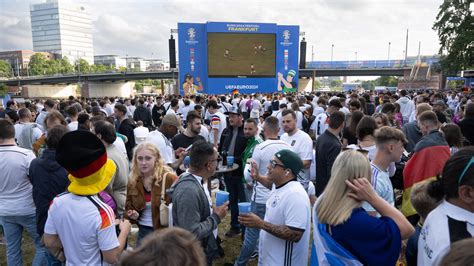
<point>221,197</point>
<point>244,207</point>
<point>230,161</point>
<point>186,161</point>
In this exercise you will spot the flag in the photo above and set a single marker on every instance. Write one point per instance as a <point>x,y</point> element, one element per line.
<point>235,91</point>
<point>428,160</point>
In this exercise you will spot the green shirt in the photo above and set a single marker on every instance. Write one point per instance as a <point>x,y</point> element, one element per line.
<point>251,143</point>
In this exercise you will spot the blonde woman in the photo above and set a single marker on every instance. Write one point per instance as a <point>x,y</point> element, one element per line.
<point>371,240</point>
<point>144,188</point>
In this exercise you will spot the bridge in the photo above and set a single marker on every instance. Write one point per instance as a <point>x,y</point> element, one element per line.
<point>315,68</point>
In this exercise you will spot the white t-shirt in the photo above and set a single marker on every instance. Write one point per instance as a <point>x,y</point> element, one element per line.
<point>218,121</point>
<point>382,185</point>
<point>170,111</point>
<point>85,225</point>
<point>184,112</point>
<point>262,154</point>
<point>303,146</point>
<point>16,191</point>
<point>163,145</point>
<point>204,132</point>
<point>317,110</point>
<point>140,134</point>
<point>243,105</point>
<point>73,125</point>
<point>37,132</point>
<point>311,189</point>
<point>320,124</point>
<point>299,120</point>
<point>288,205</point>
<point>120,145</point>
<point>443,223</point>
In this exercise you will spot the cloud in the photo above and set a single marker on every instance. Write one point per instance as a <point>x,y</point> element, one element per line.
<point>142,27</point>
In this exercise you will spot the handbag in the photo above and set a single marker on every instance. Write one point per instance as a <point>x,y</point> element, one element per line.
<point>164,209</point>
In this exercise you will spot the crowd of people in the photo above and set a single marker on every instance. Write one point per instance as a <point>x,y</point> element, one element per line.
<point>376,178</point>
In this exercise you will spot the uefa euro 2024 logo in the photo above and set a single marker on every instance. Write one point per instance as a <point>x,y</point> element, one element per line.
<point>286,35</point>
<point>191,34</point>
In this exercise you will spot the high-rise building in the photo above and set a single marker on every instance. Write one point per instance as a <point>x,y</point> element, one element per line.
<point>62,28</point>
<point>110,60</point>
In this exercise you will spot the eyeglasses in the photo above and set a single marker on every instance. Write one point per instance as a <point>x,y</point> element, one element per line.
<point>274,164</point>
<point>465,170</point>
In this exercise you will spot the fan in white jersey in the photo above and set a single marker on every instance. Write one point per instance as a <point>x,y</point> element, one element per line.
<point>284,238</point>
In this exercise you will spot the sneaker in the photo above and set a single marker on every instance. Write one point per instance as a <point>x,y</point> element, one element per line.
<point>232,232</point>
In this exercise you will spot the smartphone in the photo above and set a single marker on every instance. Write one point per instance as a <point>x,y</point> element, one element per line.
<point>188,148</point>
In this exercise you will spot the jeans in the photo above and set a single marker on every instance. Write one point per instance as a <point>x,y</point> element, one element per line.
<point>13,228</point>
<point>52,261</point>
<point>251,235</point>
<point>236,194</point>
<point>143,231</point>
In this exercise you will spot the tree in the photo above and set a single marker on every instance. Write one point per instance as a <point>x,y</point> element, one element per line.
<point>388,81</point>
<point>82,66</point>
<point>3,89</point>
<point>5,69</point>
<point>456,35</point>
<point>66,66</point>
<point>336,83</point>
<point>38,64</point>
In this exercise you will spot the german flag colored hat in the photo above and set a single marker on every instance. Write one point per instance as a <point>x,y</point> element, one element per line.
<point>84,156</point>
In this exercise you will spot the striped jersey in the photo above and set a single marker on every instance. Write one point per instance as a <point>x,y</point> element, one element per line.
<point>382,185</point>
<point>85,225</point>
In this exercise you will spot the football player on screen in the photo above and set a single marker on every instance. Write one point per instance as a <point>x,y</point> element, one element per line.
<point>189,87</point>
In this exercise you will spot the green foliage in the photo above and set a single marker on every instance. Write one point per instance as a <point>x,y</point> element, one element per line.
<point>368,84</point>
<point>454,24</point>
<point>38,64</point>
<point>335,83</point>
<point>317,83</point>
<point>388,81</point>
<point>5,69</point>
<point>3,89</point>
<point>82,66</point>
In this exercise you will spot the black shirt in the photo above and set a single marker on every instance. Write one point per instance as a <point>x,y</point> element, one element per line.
<point>328,148</point>
<point>183,141</point>
<point>351,138</point>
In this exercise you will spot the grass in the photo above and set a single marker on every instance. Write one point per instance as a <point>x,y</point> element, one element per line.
<point>231,247</point>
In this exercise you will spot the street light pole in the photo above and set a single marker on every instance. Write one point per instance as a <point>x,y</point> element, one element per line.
<point>356,55</point>
<point>389,43</point>
<point>332,52</point>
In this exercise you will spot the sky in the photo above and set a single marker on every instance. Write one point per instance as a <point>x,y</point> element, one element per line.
<point>142,27</point>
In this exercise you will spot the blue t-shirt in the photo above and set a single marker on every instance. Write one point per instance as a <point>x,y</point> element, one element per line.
<point>374,241</point>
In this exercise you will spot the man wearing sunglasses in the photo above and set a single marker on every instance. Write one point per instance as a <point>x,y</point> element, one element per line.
<point>284,237</point>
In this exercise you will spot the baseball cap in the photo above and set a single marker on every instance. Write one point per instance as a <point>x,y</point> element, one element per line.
<point>170,119</point>
<point>234,110</point>
<point>290,160</point>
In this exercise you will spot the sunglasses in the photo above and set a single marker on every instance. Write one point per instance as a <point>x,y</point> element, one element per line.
<point>465,170</point>
<point>274,164</point>
<point>365,152</point>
